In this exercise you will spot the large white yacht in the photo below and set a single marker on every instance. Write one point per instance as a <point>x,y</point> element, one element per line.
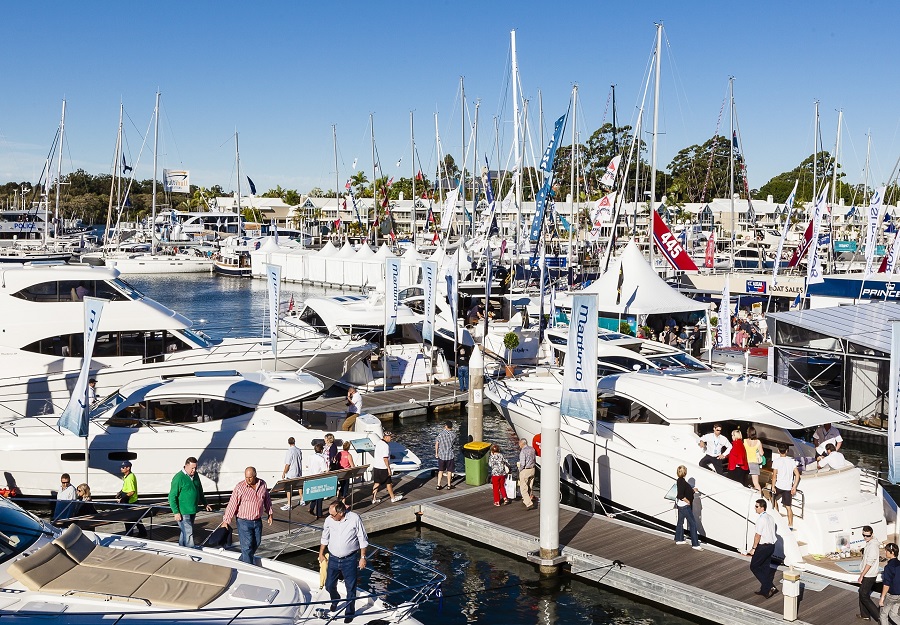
<point>226,420</point>
<point>42,328</point>
<point>650,422</point>
<point>53,576</point>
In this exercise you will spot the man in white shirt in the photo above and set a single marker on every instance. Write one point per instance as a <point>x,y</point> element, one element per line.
<point>785,478</point>
<point>833,460</point>
<point>868,573</point>
<point>716,447</point>
<point>381,469</point>
<point>344,535</point>
<point>293,459</point>
<point>354,408</point>
<point>824,434</point>
<point>762,550</point>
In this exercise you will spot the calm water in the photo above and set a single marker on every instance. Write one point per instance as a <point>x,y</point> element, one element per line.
<point>483,586</point>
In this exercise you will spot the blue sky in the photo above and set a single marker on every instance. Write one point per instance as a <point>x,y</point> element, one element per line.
<point>281,73</point>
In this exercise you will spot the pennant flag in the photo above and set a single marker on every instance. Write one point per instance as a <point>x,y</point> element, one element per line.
<point>601,213</point>
<point>872,231</point>
<point>620,282</point>
<point>797,301</point>
<point>353,166</point>
<point>609,177</point>
<point>398,161</point>
<point>723,333</point>
<point>273,277</point>
<point>391,294</point>
<point>291,303</point>
<point>429,283</point>
<point>789,205</point>
<point>579,397</point>
<point>670,247</point>
<point>814,263</point>
<point>75,416</point>
<point>801,249</point>
<point>125,166</point>
<point>709,259</point>
<point>347,186</point>
<point>419,175</point>
<point>448,208</point>
<point>550,153</point>
<point>252,186</point>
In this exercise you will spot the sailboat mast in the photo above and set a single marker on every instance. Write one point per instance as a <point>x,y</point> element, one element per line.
<point>155,156</point>
<point>815,154</point>
<point>731,165</point>
<point>337,177</point>
<point>615,136</point>
<point>462,132</point>
<point>112,184</point>
<point>412,160</point>
<point>374,176</point>
<point>517,176</point>
<point>237,158</point>
<point>837,151</point>
<point>62,132</point>
<point>655,132</point>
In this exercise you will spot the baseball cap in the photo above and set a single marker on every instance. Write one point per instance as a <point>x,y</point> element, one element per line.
<point>126,464</point>
<point>388,433</point>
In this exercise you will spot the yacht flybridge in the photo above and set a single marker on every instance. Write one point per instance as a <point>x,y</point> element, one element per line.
<point>228,421</point>
<point>650,422</point>
<point>42,329</point>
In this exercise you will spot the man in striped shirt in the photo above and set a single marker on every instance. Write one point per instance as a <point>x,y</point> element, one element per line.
<point>249,500</point>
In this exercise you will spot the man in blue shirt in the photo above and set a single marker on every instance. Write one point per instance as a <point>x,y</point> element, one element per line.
<point>890,591</point>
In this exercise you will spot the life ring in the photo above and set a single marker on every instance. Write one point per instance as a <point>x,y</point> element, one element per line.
<point>536,443</point>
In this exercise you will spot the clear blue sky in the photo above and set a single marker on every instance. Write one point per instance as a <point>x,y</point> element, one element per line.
<point>281,73</point>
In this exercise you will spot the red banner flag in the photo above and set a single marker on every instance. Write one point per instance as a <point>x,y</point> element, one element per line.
<point>670,247</point>
<point>710,256</point>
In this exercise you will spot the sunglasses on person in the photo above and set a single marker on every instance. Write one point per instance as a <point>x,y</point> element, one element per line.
<point>867,535</point>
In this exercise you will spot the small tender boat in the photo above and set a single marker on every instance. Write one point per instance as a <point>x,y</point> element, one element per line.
<point>74,576</point>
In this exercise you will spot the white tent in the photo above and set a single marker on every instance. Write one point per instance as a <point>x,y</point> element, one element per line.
<point>364,252</point>
<point>642,292</point>
<point>346,252</point>
<point>327,250</point>
<point>384,251</point>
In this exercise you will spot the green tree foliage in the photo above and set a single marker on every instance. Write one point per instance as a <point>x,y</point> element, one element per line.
<point>780,186</point>
<point>701,172</point>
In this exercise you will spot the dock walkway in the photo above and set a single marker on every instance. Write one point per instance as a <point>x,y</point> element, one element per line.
<point>713,584</point>
<point>403,402</point>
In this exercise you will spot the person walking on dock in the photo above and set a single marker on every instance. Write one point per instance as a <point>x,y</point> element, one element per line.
<point>354,407</point>
<point>762,550</point>
<point>185,498</point>
<point>381,469</point>
<point>684,500</point>
<point>293,459</point>
<point>526,465</point>
<point>499,471</point>
<point>890,590</point>
<point>129,494</point>
<point>867,575</point>
<point>445,452</point>
<point>249,501</point>
<point>345,537</point>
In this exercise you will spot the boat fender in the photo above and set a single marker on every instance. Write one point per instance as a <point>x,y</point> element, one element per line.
<point>536,443</point>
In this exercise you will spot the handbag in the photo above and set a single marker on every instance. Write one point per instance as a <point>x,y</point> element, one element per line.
<point>672,495</point>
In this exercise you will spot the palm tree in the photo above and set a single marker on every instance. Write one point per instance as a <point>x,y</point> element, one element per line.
<point>359,181</point>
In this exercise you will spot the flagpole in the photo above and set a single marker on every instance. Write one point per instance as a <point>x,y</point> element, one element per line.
<point>412,149</point>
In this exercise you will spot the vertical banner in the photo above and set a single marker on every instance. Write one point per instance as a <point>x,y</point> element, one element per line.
<point>391,295</point>
<point>723,333</point>
<point>579,398</point>
<point>177,181</point>
<point>451,275</point>
<point>814,262</point>
<point>75,417</point>
<point>273,277</point>
<point>894,405</point>
<point>429,285</point>
<point>872,228</point>
<point>789,206</point>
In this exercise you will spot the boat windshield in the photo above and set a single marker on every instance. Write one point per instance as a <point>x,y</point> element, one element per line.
<point>197,337</point>
<point>107,404</point>
<point>678,360</point>
<point>127,289</point>
<point>18,531</point>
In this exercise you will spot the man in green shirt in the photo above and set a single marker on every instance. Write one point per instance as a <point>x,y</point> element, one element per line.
<point>129,494</point>
<point>185,498</point>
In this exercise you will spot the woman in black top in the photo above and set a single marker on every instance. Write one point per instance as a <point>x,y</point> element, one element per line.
<point>684,501</point>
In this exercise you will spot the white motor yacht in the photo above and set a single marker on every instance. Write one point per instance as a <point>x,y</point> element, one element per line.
<point>650,422</point>
<point>42,329</point>
<point>226,420</point>
<point>75,576</point>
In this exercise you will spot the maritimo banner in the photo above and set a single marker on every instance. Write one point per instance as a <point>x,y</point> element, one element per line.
<point>177,180</point>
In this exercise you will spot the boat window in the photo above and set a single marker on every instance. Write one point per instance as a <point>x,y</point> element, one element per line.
<point>619,409</point>
<point>106,404</point>
<point>69,291</point>
<point>118,284</point>
<point>194,410</point>
<point>196,336</point>
<point>20,531</point>
<point>151,345</point>
<point>678,361</point>
<point>577,469</point>
<point>312,318</point>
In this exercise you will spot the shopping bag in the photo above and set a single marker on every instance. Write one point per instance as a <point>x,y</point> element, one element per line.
<point>511,485</point>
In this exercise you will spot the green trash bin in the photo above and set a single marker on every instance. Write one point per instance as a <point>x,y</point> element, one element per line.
<point>476,455</point>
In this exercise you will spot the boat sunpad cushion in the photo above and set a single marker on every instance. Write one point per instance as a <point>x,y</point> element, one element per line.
<point>74,564</point>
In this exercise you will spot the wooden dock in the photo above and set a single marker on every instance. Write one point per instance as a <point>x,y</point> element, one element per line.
<point>398,403</point>
<point>713,584</point>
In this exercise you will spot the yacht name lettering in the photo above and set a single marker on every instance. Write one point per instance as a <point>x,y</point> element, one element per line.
<point>395,287</point>
<point>580,330</point>
<point>890,293</point>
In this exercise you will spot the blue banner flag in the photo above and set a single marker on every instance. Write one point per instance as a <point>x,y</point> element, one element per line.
<point>550,153</point>
<point>545,190</point>
<point>75,416</point>
<point>252,186</point>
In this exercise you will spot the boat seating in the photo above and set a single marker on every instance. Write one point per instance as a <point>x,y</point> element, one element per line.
<point>74,564</point>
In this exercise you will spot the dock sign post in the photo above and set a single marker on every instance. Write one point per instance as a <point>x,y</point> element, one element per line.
<point>320,488</point>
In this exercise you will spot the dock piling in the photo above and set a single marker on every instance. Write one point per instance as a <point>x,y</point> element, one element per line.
<point>476,395</point>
